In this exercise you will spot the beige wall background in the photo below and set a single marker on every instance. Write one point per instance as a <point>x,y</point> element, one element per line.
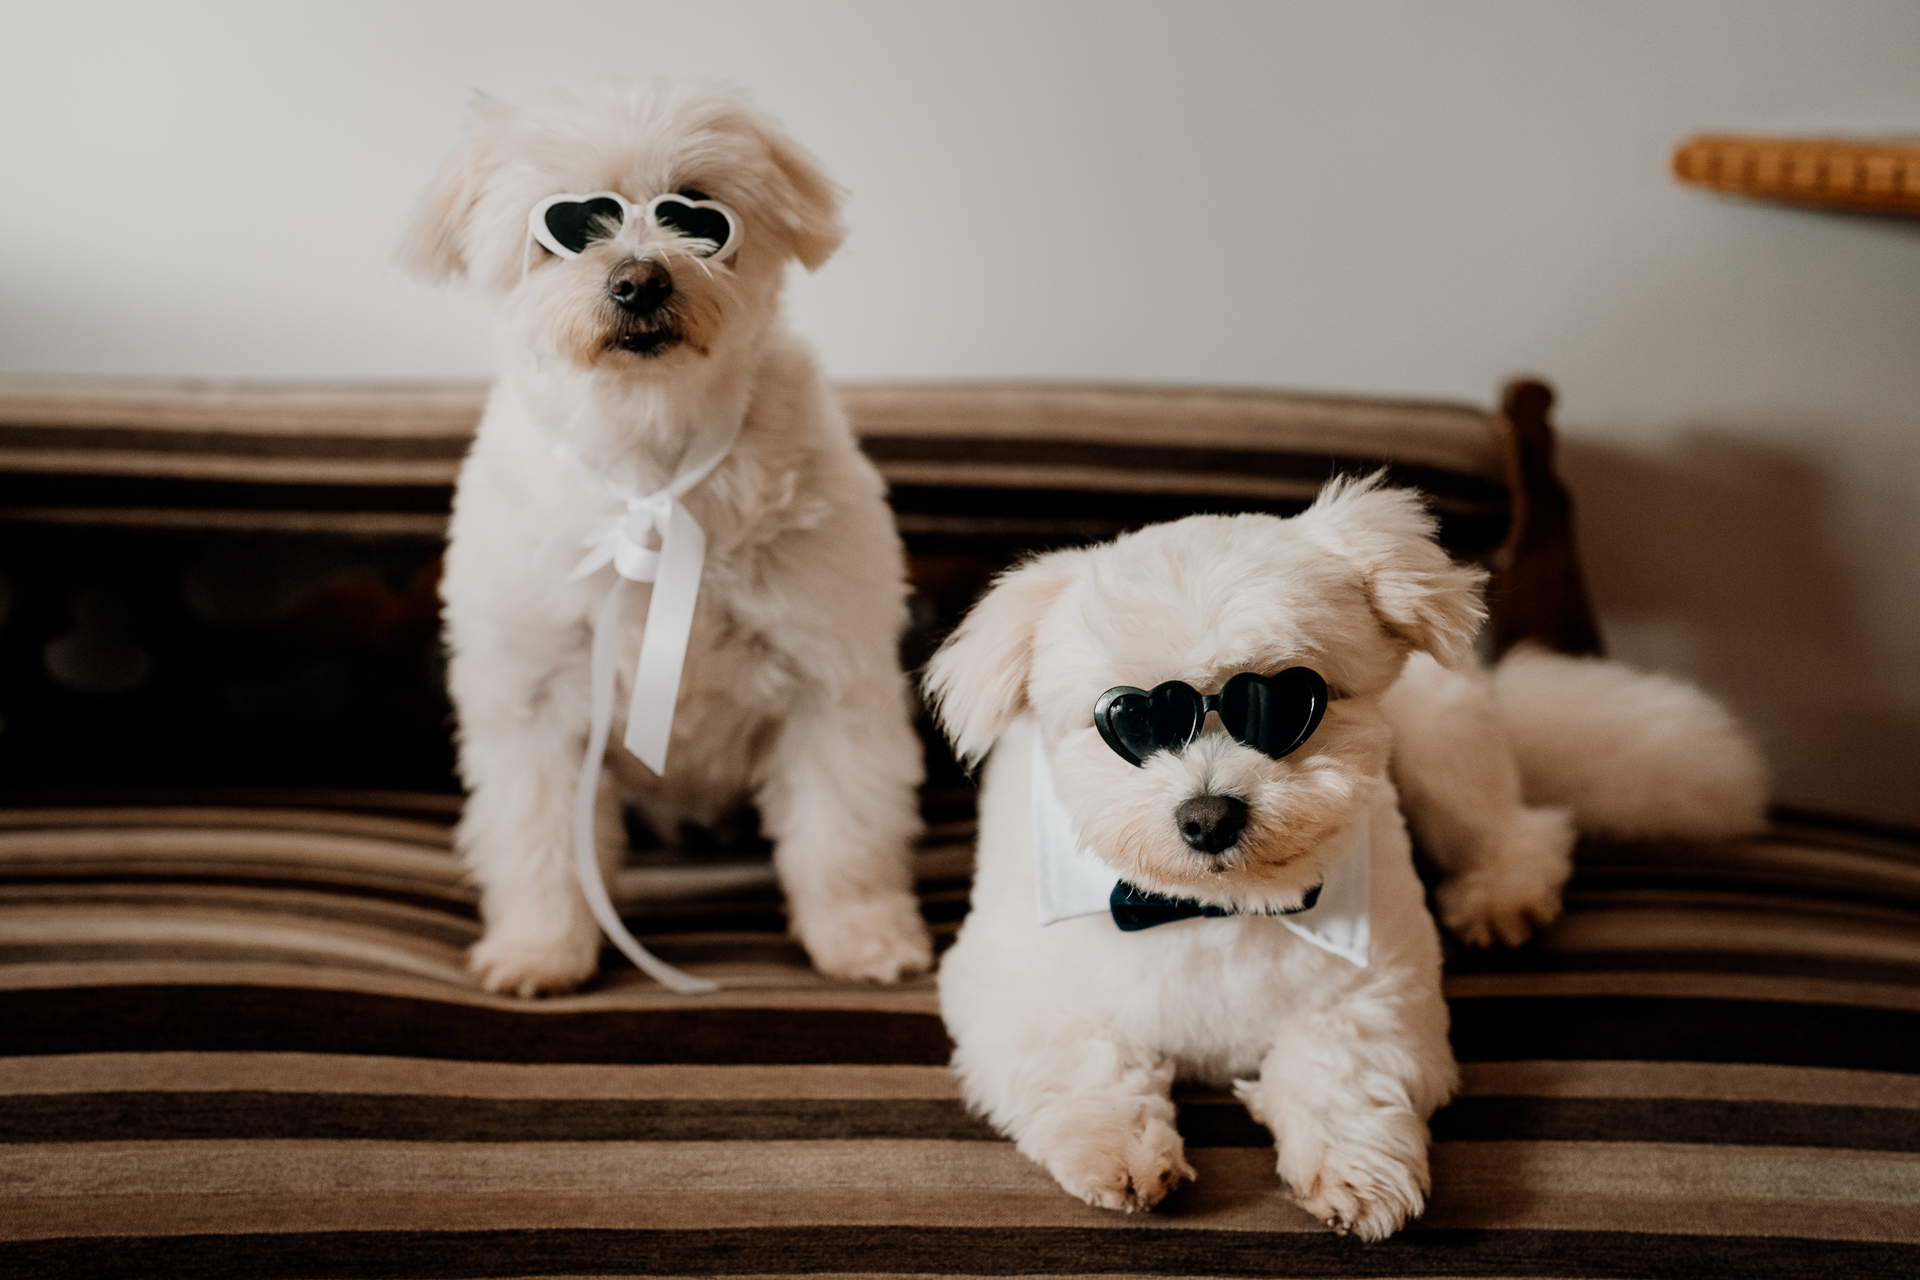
<point>1389,198</point>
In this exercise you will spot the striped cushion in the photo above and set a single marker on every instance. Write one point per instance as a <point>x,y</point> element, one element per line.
<point>240,1042</point>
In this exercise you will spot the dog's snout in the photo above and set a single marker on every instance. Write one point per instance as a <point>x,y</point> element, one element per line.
<point>1211,823</point>
<point>640,287</point>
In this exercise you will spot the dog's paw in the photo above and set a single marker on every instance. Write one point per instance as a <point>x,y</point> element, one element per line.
<point>880,938</point>
<point>1486,906</point>
<point>515,964</point>
<point>1124,1169</point>
<point>1517,890</point>
<point>1357,1189</point>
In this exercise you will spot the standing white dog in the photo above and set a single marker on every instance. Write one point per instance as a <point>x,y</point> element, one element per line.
<point>1115,807</point>
<point>654,413</point>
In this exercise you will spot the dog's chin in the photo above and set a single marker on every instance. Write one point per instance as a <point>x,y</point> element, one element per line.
<point>1244,882</point>
<point>1272,878</point>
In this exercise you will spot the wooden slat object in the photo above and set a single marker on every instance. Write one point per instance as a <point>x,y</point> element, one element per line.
<point>1865,176</point>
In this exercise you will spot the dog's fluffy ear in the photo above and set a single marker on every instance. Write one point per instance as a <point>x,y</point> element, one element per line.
<point>435,244</point>
<point>809,208</point>
<point>977,682</point>
<point>1419,594</point>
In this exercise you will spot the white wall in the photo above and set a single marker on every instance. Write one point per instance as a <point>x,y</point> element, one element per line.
<point>1401,198</point>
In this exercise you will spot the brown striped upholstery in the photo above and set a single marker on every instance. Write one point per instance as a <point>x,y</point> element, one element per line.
<point>238,1039</point>
<point>398,448</point>
<point>241,1043</point>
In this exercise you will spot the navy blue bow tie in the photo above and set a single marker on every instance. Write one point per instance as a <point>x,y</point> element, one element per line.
<point>1135,909</point>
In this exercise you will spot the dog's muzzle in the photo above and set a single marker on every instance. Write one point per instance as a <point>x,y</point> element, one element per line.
<point>641,288</point>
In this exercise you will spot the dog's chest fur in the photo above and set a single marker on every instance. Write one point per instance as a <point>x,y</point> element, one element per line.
<point>793,518</point>
<point>735,684</point>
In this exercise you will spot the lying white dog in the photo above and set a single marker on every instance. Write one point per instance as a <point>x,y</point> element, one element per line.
<point>655,417</point>
<point>1161,894</point>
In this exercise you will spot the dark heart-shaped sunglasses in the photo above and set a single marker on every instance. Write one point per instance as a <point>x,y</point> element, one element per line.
<point>567,224</point>
<point>1271,714</point>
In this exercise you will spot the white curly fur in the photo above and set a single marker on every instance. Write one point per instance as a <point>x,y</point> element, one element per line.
<point>792,694</point>
<point>1503,863</point>
<point>1630,753</point>
<point>1069,1035</point>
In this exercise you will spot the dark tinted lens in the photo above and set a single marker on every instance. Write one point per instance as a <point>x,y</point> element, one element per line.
<point>1176,714</point>
<point>1136,723</point>
<point>577,223</point>
<point>1274,714</point>
<point>1126,723</point>
<point>695,224</point>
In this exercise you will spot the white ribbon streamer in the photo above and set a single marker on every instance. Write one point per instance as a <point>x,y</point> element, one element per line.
<point>674,570</point>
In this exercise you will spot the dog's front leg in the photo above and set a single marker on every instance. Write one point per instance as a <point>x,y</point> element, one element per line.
<point>1347,1093</point>
<point>1093,1110</point>
<point>520,758</point>
<point>1503,863</point>
<point>841,803</point>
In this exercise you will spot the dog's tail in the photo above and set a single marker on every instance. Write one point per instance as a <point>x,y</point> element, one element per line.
<point>1631,754</point>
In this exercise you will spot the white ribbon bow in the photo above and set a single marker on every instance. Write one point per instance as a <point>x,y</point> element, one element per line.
<point>1072,880</point>
<point>674,570</point>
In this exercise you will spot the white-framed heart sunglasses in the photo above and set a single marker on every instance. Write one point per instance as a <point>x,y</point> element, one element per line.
<point>566,224</point>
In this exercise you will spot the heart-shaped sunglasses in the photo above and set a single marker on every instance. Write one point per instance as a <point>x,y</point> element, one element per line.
<point>567,224</point>
<point>1271,714</point>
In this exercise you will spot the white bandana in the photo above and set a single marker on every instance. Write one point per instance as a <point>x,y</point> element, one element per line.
<point>1072,880</point>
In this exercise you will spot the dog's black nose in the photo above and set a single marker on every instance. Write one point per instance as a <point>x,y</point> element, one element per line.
<point>638,288</point>
<point>1211,823</point>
